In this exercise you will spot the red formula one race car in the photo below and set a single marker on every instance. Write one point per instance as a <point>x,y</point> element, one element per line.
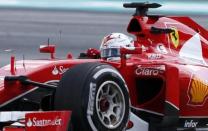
<point>160,84</point>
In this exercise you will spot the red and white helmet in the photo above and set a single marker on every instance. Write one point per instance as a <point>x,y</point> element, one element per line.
<point>111,44</point>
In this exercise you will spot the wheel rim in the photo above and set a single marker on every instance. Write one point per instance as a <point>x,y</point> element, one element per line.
<point>110,104</point>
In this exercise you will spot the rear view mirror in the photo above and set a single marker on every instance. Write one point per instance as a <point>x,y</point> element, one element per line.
<point>128,50</point>
<point>48,49</point>
<point>131,50</point>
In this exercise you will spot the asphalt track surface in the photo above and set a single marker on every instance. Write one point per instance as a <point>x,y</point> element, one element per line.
<point>71,31</point>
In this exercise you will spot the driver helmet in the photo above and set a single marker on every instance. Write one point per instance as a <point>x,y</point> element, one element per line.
<point>111,44</point>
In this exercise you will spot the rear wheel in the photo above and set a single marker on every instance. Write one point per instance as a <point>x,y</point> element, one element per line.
<point>97,95</point>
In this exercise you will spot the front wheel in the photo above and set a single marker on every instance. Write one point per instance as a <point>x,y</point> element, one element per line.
<point>97,95</point>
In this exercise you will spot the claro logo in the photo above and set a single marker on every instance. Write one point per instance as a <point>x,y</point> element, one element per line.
<point>149,71</point>
<point>34,122</point>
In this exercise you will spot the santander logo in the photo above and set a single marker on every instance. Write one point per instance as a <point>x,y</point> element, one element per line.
<point>59,70</point>
<point>29,123</point>
<point>35,122</point>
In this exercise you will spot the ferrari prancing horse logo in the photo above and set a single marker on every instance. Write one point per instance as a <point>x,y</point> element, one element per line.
<point>174,36</point>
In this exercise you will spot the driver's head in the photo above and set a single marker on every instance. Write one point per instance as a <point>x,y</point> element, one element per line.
<point>111,44</point>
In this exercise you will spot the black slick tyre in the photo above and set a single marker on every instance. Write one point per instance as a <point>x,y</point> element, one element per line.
<point>97,96</point>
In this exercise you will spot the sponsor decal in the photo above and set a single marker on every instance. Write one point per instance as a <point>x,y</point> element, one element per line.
<point>59,70</point>
<point>161,48</point>
<point>92,92</point>
<point>174,36</point>
<point>29,123</point>
<point>197,122</point>
<point>154,56</point>
<point>190,124</point>
<point>35,122</point>
<point>150,71</point>
<point>198,92</point>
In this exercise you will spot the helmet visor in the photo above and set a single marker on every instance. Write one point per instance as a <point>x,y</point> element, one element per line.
<point>110,52</point>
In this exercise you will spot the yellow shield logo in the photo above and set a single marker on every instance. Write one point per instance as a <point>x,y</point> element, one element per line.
<point>174,36</point>
<point>198,91</point>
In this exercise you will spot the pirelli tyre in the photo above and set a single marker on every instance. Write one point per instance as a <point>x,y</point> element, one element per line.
<point>97,95</point>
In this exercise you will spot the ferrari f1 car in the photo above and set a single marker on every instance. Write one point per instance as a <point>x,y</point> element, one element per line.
<point>162,86</point>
